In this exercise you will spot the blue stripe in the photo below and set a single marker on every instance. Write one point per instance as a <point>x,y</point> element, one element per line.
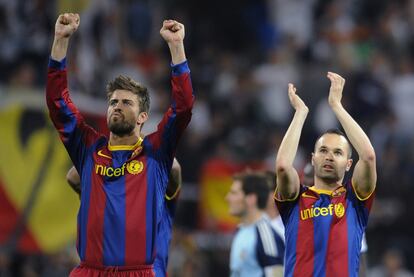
<point>322,227</point>
<point>57,64</point>
<point>163,240</point>
<point>291,236</point>
<point>354,234</point>
<point>71,136</point>
<point>84,207</point>
<point>181,68</point>
<point>152,209</point>
<point>170,136</point>
<point>65,113</point>
<point>114,220</point>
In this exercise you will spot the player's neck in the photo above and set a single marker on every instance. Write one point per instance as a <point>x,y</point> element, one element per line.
<point>130,139</point>
<point>252,216</point>
<point>326,185</point>
<point>272,212</point>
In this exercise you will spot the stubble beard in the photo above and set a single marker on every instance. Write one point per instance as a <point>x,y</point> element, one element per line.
<point>121,127</point>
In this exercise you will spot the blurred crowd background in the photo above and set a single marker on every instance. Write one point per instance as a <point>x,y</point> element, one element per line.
<point>242,54</point>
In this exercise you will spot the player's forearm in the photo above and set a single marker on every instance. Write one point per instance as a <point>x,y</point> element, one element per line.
<point>289,146</point>
<point>177,52</point>
<point>355,134</point>
<point>287,176</point>
<point>59,48</point>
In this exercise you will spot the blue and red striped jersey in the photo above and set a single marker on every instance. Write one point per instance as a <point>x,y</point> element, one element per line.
<point>323,231</point>
<point>123,187</point>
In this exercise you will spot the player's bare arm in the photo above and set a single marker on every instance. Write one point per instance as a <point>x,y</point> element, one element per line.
<point>365,176</point>
<point>288,183</point>
<point>173,33</point>
<point>175,179</point>
<point>73,179</point>
<point>66,26</point>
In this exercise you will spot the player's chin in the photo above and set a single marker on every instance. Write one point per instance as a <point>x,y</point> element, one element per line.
<point>234,212</point>
<point>329,177</point>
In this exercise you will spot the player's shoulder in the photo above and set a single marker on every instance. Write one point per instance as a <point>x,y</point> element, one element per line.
<point>264,229</point>
<point>266,244</point>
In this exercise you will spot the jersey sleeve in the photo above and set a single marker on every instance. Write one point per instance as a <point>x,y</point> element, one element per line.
<point>75,134</point>
<point>366,202</point>
<point>363,205</point>
<point>285,206</point>
<point>270,247</point>
<point>163,142</point>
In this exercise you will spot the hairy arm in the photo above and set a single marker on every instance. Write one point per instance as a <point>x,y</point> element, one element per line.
<point>365,175</point>
<point>287,176</point>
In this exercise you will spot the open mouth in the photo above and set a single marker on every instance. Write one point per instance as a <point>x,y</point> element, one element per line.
<point>328,167</point>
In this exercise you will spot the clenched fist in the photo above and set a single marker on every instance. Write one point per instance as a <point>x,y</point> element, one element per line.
<point>172,31</point>
<point>66,25</point>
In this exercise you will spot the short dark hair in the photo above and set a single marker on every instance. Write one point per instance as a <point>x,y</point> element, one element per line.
<point>255,183</point>
<point>338,132</point>
<point>126,83</point>
<point>271,179</point>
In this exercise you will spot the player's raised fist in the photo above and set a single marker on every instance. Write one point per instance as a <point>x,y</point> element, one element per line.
<point>172,31</point>
<point>296,102</point>
<point>66,25</point>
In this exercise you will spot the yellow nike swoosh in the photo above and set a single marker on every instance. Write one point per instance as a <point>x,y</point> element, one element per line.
<point>103,155</point>
<point>309,196</point>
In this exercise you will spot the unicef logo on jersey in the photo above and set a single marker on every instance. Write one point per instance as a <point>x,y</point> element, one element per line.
<point>337,209</point>
<point>133,167</point>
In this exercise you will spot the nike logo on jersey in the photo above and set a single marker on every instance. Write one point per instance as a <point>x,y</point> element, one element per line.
<point>103,155</point>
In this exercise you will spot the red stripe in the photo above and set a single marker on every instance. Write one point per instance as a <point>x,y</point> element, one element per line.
<point>182,92</point>
<point>94,235</point>
<point>135,225</point>
<point>9,216</point>
<point>305,245</point>
<point>56,84</point>
<point>337,252</point>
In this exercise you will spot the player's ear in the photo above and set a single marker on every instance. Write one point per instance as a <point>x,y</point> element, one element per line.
<point>142,117</point>
<point>312,162</point>
<point>349,164</point>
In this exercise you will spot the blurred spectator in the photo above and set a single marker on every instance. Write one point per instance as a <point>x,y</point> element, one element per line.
<point>393,265</point>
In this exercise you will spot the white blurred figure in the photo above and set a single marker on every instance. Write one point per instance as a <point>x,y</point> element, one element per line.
<point>392,265</point>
